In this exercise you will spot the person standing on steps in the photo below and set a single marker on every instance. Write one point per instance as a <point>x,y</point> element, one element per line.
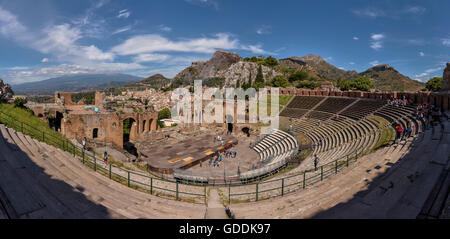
<point>316,162</point>
<point>105,158</point>
<point>409,130</point>
<point>399,130</point>
<point>83,142</point>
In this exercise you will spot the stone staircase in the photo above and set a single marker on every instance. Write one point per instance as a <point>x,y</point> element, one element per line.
<point>41,181</point>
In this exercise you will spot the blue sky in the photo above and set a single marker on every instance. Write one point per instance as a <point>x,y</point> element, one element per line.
<point>42,39</point>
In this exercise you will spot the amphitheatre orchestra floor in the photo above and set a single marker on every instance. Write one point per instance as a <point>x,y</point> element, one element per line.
<point>185,153</point>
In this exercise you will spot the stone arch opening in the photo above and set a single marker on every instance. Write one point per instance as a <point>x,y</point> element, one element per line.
<point>127,129</point>
<point>55,121</point>
<point>129,134</point>
<point>144,126</point>
<point>95,133</point>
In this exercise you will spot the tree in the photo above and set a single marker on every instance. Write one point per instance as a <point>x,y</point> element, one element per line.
<point>363,84</point>
<point>279,81</point>
<point>164,114</point>
<point>270,61</point>
<point>298,76</point>
<point>259,76</point>
<point>248,84</point>
<point>344,84</point>
<point>434,84</point>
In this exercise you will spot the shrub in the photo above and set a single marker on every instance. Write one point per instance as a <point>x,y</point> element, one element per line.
<point>19,102</point>
<point>164,114</point>
<point>363,84</point>
<point>279,81</point>
<point>298,76</point>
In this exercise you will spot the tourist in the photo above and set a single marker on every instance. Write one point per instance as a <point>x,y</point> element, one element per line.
<point>399,130</point>
<point>105,157</point>
<point>318,122</point>
<point>316,162</point>
<point>409,130</point>
<point>83,142</point>
<point>320,142</point>
<point>439,115</point>
<point>235,153</point>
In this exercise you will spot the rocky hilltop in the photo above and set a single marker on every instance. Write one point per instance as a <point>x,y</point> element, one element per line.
<point>385,77</point>
<point>316,66</point>
<point>6,93</point>
<point>224,69</point>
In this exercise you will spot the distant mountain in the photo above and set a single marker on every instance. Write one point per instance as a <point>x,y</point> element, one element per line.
<point>385,77</point>
<point>76,83</point>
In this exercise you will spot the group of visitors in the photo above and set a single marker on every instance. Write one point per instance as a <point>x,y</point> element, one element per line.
<point>429,113</point>
<point>400,132</point>
<point>398,102</point>
<point>218,157</point>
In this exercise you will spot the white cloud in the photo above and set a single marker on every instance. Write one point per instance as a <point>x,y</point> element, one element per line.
<point>61,41</point>
<point>11,27</point>
<point>16,68</point>
<point>418,10</point>
<point>203,3</point>
<point>265,29</point>
<point>151,58</point>
<point>446,42</point>
<point>369,12</point>
<point>45,60</point>
<point>124,13</point>
<point>374,63</point>
<point>421,54</point>
<point>433,70</point>
<point>165,28</point>
<point>156,43</point>
<point>329,58</point>
<point>342,68</point>
<point>377,41</point>
<point>377,37</point>
<point>355,38</point>
<point>152,43</point>
<point>123,29</point>
<point>351,63</point>
<point>257,49</point>
<point>421,75</point>
<point>428,74</point>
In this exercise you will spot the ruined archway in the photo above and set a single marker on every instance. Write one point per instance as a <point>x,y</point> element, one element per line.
<point>128,127</point>
<point>144,126</point>
<point>130,132</point>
